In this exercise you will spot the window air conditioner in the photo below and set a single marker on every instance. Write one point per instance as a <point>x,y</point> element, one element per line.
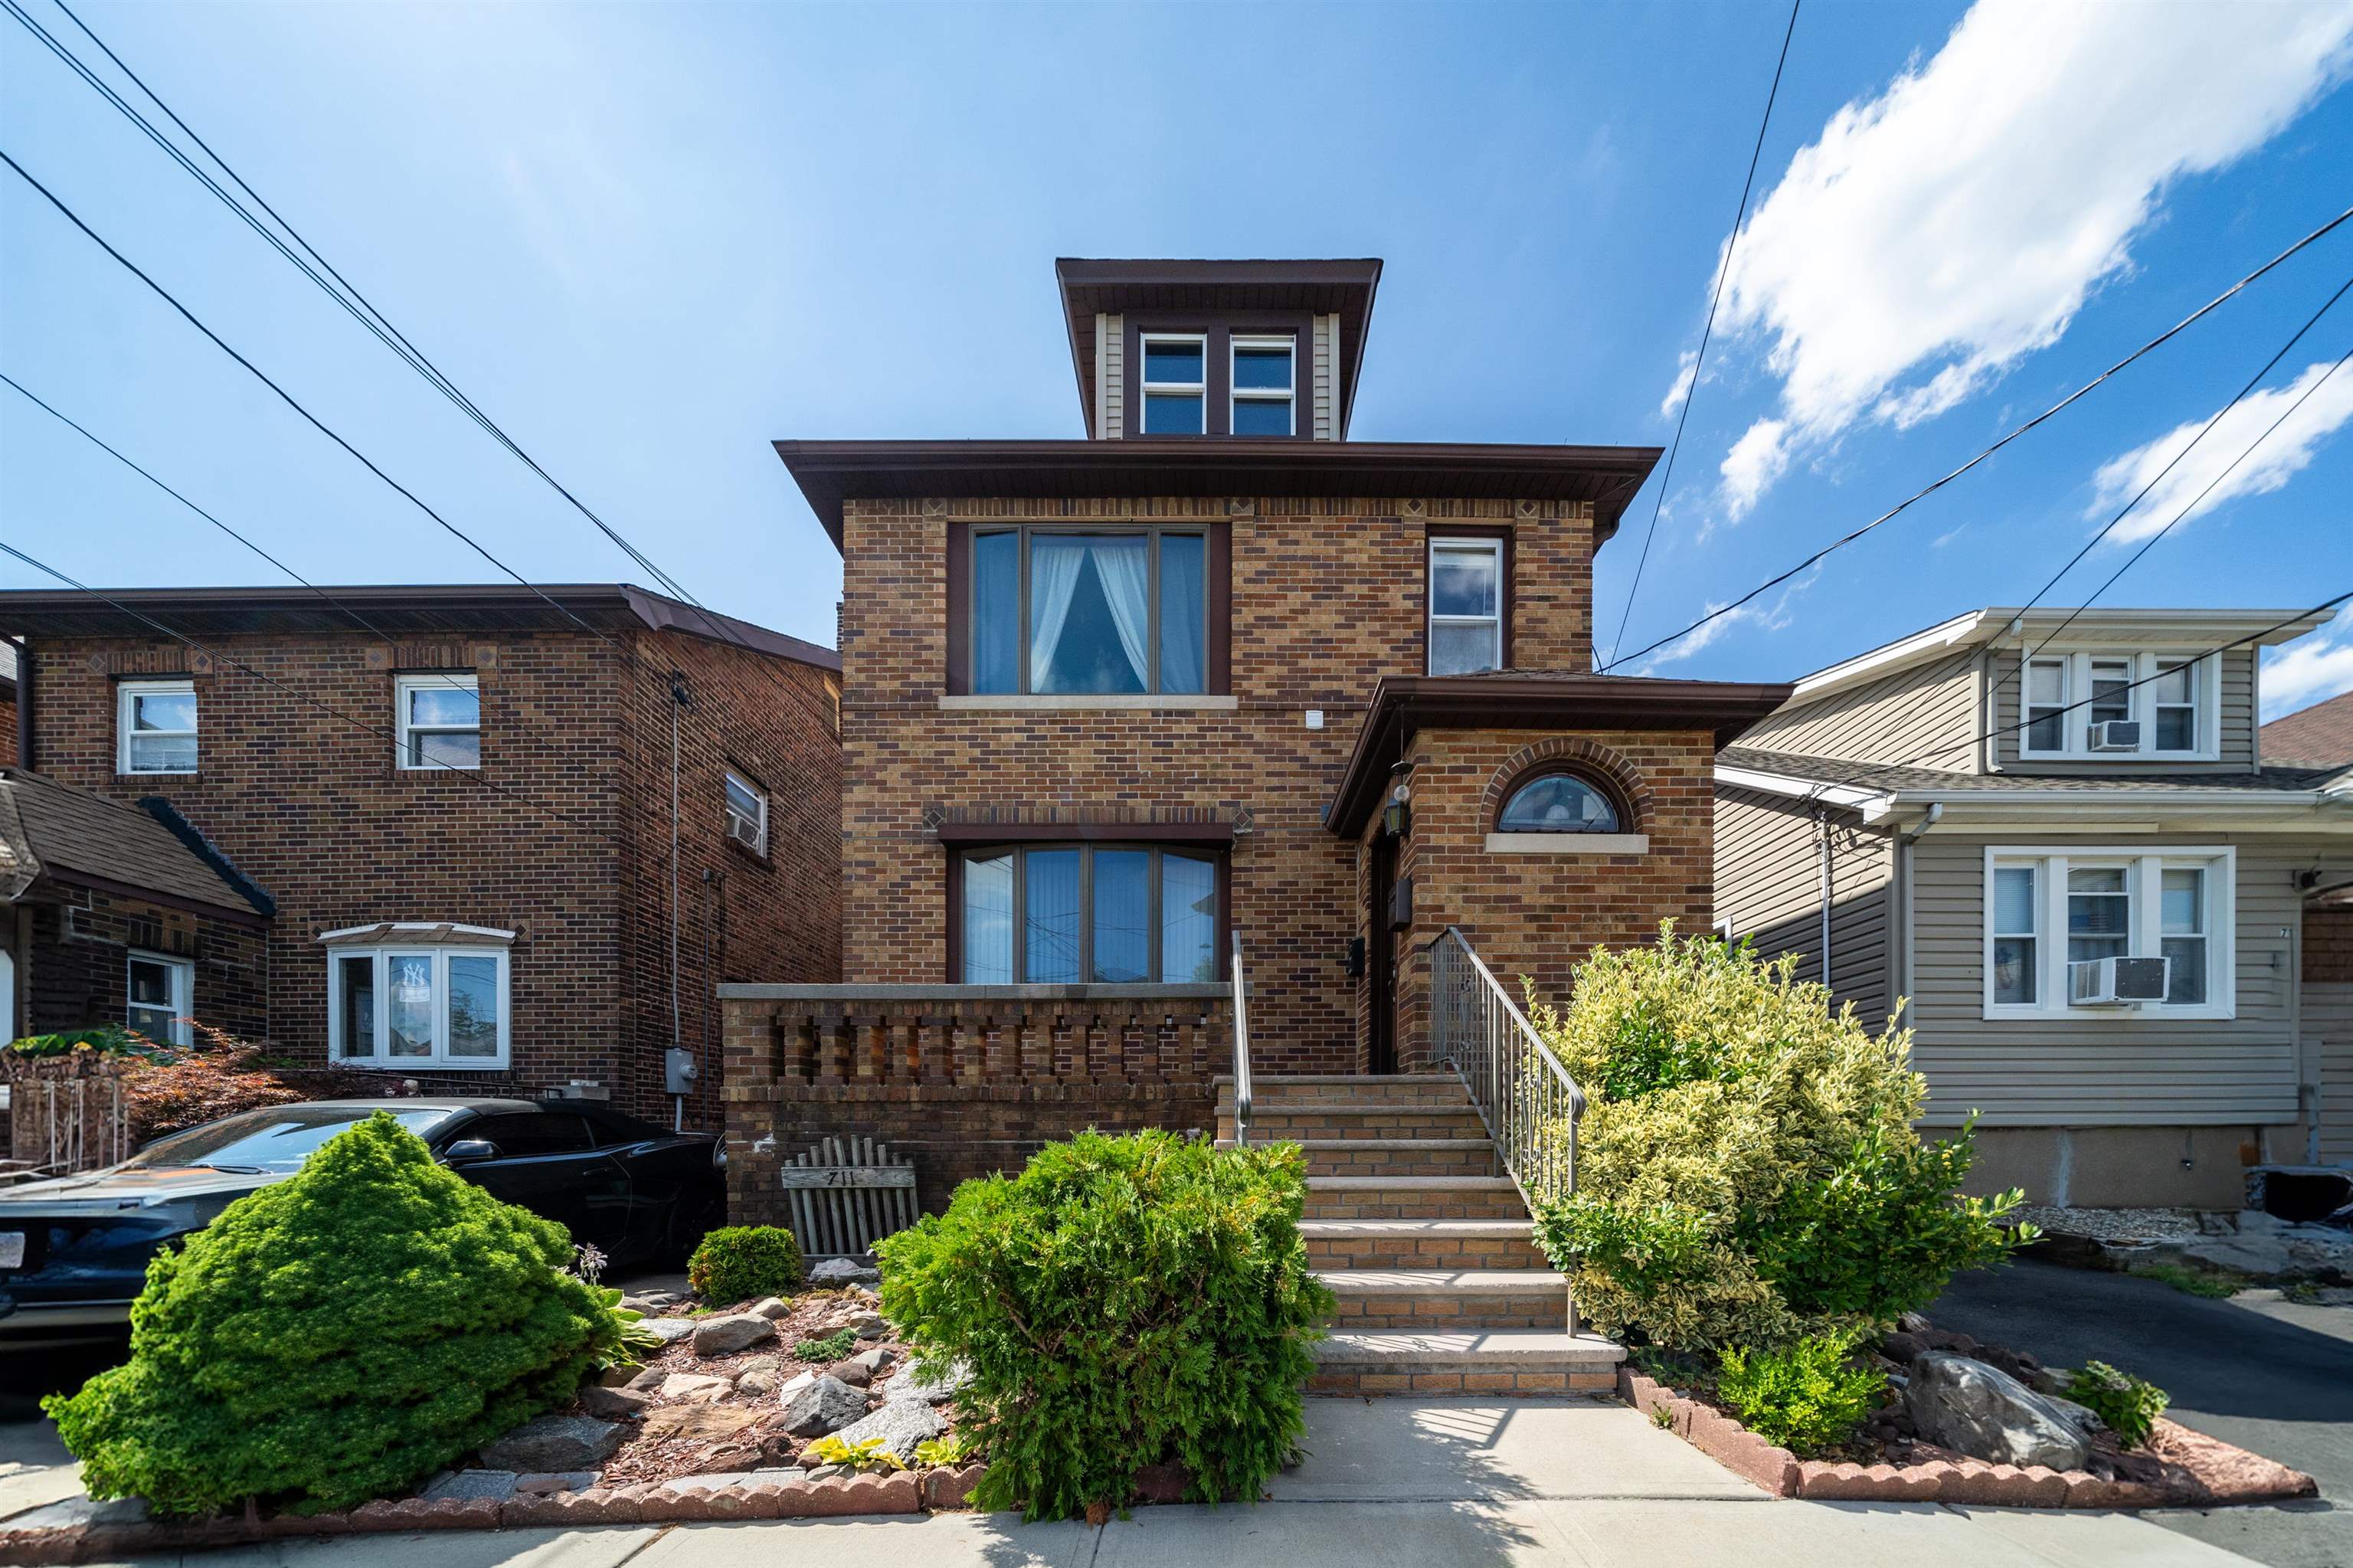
<point>745,830</point>
<point>2115,982</point>
<point>2117,735</point>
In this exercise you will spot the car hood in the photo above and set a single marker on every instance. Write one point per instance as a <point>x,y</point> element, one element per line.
<point>128,1187</point>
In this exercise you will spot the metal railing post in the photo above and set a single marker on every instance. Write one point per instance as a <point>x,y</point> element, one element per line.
<point>1242,1052</point>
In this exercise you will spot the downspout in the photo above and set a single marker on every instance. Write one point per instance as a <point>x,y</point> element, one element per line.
<point>1903,880</point>
<point>678,704</point>
<point>24,759</point>
<point>1823,827</point>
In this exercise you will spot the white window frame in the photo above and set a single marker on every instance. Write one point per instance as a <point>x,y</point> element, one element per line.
<point>2143,666</point>
<point>2145,882</point>
<point>184,988</point>
<point>1235,393</point>
<point>402,687</point>
<point>1181,388</point>
<point>380,1046</point>
<point>1461,545</point>
<point>759,844</point>
<point>125,693</point>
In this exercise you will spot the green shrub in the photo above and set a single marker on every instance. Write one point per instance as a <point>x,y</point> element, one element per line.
<point>1746,1169</point>
<point>2130,1405</point>
<point>831,1348</point>
<point>1805,1397</point>
<point>337,1337</point>
<point>1122,1302</point>
<point>741,1263</point>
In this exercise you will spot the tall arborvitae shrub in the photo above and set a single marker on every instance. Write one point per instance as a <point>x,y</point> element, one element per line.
<point>337,1337</point>
<point>1122,1302</point>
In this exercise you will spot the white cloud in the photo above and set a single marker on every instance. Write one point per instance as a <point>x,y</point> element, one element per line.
<point>1684,369</point>
<point>2281,456</point>
<point>1764,617</point>
<point>2312,669</point>
<point>1752,465</point>
<point>1933,235</point>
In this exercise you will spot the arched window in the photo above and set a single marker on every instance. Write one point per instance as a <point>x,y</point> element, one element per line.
<point>1560,802</point>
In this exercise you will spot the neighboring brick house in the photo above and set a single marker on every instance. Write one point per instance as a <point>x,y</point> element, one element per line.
<point>8,703</point>
<point>1110,705</point>
<point>461,800</point>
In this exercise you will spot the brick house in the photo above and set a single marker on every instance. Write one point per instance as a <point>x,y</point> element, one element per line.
<point>460,801</point>
<point>1215,675</point>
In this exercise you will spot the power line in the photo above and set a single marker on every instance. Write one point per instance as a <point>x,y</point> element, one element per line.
<point>305,697</point>
<point>1924,492</point>
<point>1699,359</point>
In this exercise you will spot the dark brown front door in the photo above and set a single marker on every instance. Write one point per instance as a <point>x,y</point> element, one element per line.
<point>1381,960</point>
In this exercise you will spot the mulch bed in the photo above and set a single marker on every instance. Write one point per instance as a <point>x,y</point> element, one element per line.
<point>1888,1462</point>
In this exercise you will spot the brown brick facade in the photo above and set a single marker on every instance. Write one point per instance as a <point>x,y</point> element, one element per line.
<point>73,960</point>
<point>562,836</point>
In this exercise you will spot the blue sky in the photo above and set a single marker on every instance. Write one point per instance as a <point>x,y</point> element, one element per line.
<point>648,239</point>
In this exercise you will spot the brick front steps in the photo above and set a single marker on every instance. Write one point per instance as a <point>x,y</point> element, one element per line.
<point>1422,1244</point>
<point>1516,1361</point>
<point>1414,1198</point>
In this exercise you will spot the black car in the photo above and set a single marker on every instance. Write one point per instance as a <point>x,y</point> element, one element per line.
<point>74,1250</point>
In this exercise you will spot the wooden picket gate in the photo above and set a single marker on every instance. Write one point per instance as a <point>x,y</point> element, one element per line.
<point>845,1195</point>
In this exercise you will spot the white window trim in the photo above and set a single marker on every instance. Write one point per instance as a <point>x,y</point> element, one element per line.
<point>1493,549</point>
<point>760,825</point>
<point>402,687</point>
<point>183,985</point>
<point>2205,692</point>
<point>1235,393</point>
<point>1181,388</point>
<point>123,694</point>
<point>2147,864</point>
<point>381,1046</point>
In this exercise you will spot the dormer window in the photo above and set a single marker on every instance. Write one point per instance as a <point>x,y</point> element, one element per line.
<point>1176,383</point>
<point>1264,386</point>
<point>2087,707</point>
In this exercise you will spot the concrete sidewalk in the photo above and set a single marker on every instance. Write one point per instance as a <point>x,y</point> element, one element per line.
<point>1569,1483</point>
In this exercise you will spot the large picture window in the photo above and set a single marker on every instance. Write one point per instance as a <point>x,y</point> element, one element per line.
<point>400,1005</point>
<point>1104,913</point>
<point>2046,910</point>
<point>1102,611</point>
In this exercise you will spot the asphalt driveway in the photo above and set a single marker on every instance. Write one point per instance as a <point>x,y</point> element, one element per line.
<point>2270,1376</point>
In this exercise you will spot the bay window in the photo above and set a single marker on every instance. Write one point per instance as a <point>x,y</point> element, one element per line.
<point>1090,612</point>
<point>2172,697</point>
<point>2045,909</point>
<point>1104,914</point>
<point>397,1004</point>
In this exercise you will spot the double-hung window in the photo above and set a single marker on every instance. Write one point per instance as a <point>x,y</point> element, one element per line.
<point>160,997</point>
<point>155,726</point>
<point>1265,398</point>
<point>1466,606</point>
<point>1107,914</point>
<point>2045,910</point>
<point>401,1005</point>
<point>440,721</point>
<point>2075,703</point>
<point>1058,612</point>
<point>1176,383</point>
<point>747,813</point>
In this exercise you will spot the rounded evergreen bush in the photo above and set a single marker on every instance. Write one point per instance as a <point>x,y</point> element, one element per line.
<point>337,1337</point>
<point>1746,1170</point>
<point>1122,1302</point>
<point>738,1263</point>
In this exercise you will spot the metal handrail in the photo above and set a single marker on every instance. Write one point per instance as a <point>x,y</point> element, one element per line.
<point>1242,1053</point>
<point>1527,1099</point>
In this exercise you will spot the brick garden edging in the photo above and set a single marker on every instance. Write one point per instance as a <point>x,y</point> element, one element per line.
<point>1783,1474</point>
<point>904,1492</point>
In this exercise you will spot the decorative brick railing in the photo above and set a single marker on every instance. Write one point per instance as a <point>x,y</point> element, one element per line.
<point>965,1079</point>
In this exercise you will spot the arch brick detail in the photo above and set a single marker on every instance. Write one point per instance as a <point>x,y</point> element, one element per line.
<point>1613,768</point>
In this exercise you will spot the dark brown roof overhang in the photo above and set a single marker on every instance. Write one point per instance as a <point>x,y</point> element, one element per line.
<point>1404,704</point>
<point>1090,286</point>
<point>427,611</point>
<point>830,473</point>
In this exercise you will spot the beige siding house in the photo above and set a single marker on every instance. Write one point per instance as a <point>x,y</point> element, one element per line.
<point>2054,852</point>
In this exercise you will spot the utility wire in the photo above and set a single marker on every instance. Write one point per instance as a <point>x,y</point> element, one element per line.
<point>1699,359</point>
<point>1848,538</point>
<point>305,697</point>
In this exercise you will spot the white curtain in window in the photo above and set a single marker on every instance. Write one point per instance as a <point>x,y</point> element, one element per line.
<point>1054,566</point>
<point>1124,568</point>
<point>1182,569</point>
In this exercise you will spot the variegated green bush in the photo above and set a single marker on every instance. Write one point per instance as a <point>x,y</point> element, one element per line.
<point>1747,1168</point>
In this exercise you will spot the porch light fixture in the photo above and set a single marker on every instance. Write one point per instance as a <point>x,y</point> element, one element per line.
<point>1397,817</point>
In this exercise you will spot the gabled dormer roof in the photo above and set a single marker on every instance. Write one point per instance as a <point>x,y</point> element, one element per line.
<point>1094,287</point>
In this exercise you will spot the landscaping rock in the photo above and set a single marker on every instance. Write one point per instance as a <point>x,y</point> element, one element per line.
<point>1901,1347</point>
<point>836,1272</point>
<point>794,1384</point>
<point>869,1326</point>
<point>613,1403</point>
<point>694,1387</point>
<point>756,1385</point>
<point>875,1360</point>
<point>707,1423</point>
<point>931,1386</point>
<point>772,1309</point>
<point>1975,1409</point>
<point>826,1405</point>
<point>760,1364</point>
<point>498,1484</point>
<point>639,1305</point>
<point>554,1443</point>
<point>735,1332</point>
<point>854,1372</point>
<point>668,1331</point>
<point>547,1482</point>
<point>900,1423</point>
<point>650,1378</point>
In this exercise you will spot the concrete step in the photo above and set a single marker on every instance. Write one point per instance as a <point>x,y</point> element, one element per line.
<point>1413,1198</point>
<point>1395,1156</point>
<point>1493,1361</point>
<point>1418,1298</point>
<point>1347,1118</point>
<point>1388,1089</point>
<point>1422,1244</point>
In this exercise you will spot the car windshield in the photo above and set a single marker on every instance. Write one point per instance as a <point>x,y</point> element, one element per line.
<point>273,1141</point>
